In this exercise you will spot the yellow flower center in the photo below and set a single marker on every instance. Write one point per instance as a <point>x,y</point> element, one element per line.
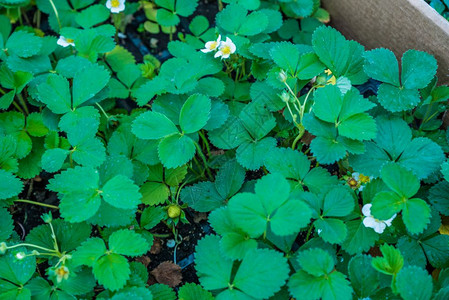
<point>115,3</point>
<point>364,179</point>
<point>352,182</point>
<point>226,50</point>
<point>213,45</point>
<point>61,272</point>
<point>69,40</point>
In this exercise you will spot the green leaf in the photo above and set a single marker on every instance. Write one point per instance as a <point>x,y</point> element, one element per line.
<point>270,206</point>
<point>84,88</point>
<point>418,69</point>
<point>333,231</point>
<point>328,103</point>
<point>234,19</point>
<point>332,287</point>
<point>326,150</point>
<point>16,46</point>
<point>394,144</point>
<point>10,185</point>
<point>69,236</point>
<point>194,113</point>
<point>128,242</point>
<point>192,291</point>
<point>358,127</point>
<point>396,99</point>
<point>121,192</point>
<point>152,125</point>
<point>416,215</point>
<point>176,150</point>
<point>6,224</point>
<point>435,249</point>
<point>229,179</point>
<point>400,180</point>
<point>162,292</point>
<point>414,283</point>
<point>112,271</point>
<point>251,154</point>
<point>154,193</point>
<point>80,205</point>
<point>381,64</point>
<point>214,270</point>
<point>342,57</point>
<point>338,202</point>
<point>390,263</point>
<point>88,151</point>
<point>202,197</point>
<point>359,239</point>
<point>92,15</point>
<point>55,93</point>
<point>35,125</point>
<point>316,262</point>
<point>166,18</point>
<point>14,270</point>
<point>261,273</point>
<point>286,55</point>
<point>151,216</point>
<point>439,197</point>
<point>364,278</point>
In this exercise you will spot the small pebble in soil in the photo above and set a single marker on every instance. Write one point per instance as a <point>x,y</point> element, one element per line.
<point>171,243</point>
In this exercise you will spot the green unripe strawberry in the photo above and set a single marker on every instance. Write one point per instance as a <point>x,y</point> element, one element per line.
<point>174,211</point>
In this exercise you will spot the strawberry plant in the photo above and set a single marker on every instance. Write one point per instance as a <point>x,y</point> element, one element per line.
<point>243,160</point>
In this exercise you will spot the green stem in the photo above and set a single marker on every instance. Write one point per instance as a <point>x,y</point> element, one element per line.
<point>102,110</point>
<point>220,5</point>
<point>309,232</point>
<point>56,13</point>
<point>198,148</point>
<point>30,245</point>
<point>161,235</point>
<point>18,107</point>
<point>36,203</point>
<point>23,103</point>
<point>203,137</point>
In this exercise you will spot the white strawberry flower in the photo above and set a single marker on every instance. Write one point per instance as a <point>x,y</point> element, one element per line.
<point>115,6</point>
<point>64,42</point>
<point>212,45</point>
<point>371,222</point>
<point>226,49</point>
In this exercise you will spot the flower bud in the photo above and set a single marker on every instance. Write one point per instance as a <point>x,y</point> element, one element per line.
<point>47,218</point>
<point>282,76</point>
<point>3,248</point>
<point>285,97</point>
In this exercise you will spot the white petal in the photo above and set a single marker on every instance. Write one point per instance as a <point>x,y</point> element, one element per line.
<point>62,42</point>
<point>225,56</point>
<point>356,176</point>
<point>361,188</point>
<point>228,41</point>
<point>121,7</point>
<point>219,39</point>
<point>379,227</point>
<point>108,4</point>
<point>218,54</point>
<point>366,210</point>
<point>206,50</point>
<point>388,222</point>
<point>369,222</point>
<point>232,46</point>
